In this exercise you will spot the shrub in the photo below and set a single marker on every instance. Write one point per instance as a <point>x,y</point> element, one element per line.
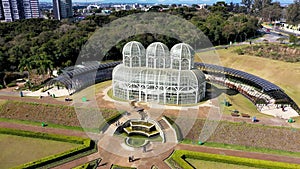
<point>83,166</point>
<point>121,167</point>
<point>12,84</point>
<point>239,51</point>
<point>110,120</point>
<point>1,87</point>
<point>180,155</point>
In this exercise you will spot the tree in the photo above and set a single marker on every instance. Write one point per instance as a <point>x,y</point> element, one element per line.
<point>293,13</point>
<point>260,4</point>
<point>248,4</point>
<point>219,8</point>
<point>293,39</point>
<point>272,12</point>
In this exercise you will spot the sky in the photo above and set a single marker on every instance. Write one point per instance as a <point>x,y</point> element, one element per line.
<point>167,1</point>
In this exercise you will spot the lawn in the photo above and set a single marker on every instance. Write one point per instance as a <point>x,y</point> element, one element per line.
<point>244,148</point>
<point>243,105</point>
<point>284,74</point>
<point>213,165</point>
<point>16,150</point>
<point>180,159</point>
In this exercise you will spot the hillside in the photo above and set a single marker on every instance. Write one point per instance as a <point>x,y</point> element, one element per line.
<point>284,74</point>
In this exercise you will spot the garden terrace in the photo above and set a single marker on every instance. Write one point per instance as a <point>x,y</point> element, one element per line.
<point>141,127</point>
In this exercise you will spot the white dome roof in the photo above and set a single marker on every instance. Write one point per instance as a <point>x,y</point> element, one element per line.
<point>133,48</point>
<point>157,50</point>
<point>134,54</point>
<point>182,51</point>
<point>182,57</point>
<point>158,55</point>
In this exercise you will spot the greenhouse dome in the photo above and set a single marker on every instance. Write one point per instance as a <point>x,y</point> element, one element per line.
<point>134,54</point>
<point>157,56</point>
<point>182,57</point>
<point>159,83</point>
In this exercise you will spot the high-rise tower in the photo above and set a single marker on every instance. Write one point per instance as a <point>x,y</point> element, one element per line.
<point>1,10</point>
<point>62,9</point>
<point>19,9</point>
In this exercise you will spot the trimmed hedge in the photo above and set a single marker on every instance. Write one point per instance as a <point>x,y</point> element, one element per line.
<point>12,84</point>
<point>45,136</point>
<point>86,144</point>
<point>121,167</point>
<point>89,165</point>
<point>110,120</point>
<point>83,166</point>
<point>180,155</point>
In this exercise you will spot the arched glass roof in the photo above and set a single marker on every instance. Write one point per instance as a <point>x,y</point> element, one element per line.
<point>134,54</point>
<point>182,51</point>
<point>158,55</point>
<point>264,84</point>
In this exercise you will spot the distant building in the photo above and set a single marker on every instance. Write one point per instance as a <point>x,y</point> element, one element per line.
<point>12,10</point>
<point>62,9</point>
<point>1,11</point>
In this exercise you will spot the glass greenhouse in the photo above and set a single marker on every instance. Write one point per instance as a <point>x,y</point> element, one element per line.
<point>158,75</point>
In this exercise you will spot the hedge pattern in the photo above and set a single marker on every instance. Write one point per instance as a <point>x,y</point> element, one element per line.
<point>180,155</point>
<point>86,144</point>
<point>110,120</point>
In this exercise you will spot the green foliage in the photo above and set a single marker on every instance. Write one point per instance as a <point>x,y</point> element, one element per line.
<point>281,52</point>
<point>12,84</point>
<point>23,133</point>
<point>245,148</point>
<point>44,45</point>
<point>1,86</point>
<point>180,155</point>
<point>293,13</point>
<point>240,51</point>
<point>86,145</point>
<point>110,120</point>
<point>121,167</point>
<point>90,165</point>
<point>294,39</point>
<point>83,166</point>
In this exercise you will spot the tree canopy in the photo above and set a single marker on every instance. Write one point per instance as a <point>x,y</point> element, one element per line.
<point>44,45</point>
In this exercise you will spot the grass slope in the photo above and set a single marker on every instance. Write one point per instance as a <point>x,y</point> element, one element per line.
<point>213,165</point>
<point>16,150</point>
<point>285,75</point>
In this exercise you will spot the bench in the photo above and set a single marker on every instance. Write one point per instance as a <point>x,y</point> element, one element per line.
<point>235,114</point>
<point>245,115</point>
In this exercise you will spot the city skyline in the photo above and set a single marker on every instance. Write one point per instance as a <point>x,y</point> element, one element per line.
<point>168,1</point>
<point>12,10</point>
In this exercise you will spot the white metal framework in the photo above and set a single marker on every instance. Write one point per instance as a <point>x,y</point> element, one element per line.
<point>158,75</point>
